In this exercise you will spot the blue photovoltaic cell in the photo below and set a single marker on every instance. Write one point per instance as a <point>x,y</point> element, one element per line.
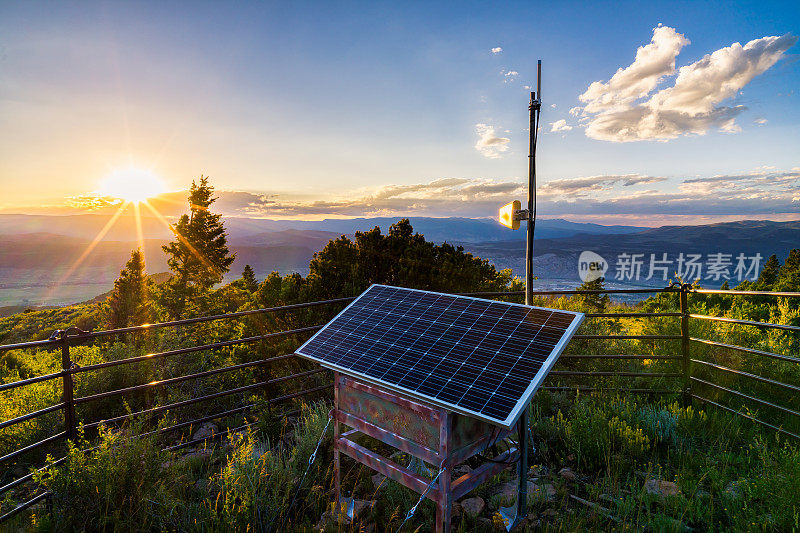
<point>478,357</point>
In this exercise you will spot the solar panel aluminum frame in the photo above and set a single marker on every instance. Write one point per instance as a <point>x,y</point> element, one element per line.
<point>521,404</point>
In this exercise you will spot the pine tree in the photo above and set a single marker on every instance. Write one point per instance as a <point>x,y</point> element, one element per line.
<point>769,274</point>
<point>595,303</point>
<point>129,303</point>
<point>249,281</point>
<point>199,255</point>
<point>789,274</point>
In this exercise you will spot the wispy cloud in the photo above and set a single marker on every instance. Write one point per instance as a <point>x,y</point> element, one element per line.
<point>593,184</point>
<point>559,125</point>
<point>626,108</point>
<point>509,75</point>
<point>496,50</point>
<point>762,193</point>
<point>489,144</point>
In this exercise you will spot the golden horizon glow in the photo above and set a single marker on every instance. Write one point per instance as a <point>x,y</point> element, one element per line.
<point>133,185</point>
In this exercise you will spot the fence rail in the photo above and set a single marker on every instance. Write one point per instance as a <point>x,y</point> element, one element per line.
<point>65,339</point>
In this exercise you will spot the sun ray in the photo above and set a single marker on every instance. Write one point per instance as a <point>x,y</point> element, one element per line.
<point>139,233</point>
<point>166,200</point>
<point>165,147</point>
<point>180,237</point>
<point>88,250</point>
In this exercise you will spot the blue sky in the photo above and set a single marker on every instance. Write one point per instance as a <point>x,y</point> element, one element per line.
<point>380,108</point>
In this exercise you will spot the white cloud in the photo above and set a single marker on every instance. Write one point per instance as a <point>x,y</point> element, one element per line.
<point>760,121</point>
<point>594,184</point>
<point>621,113</point>
<point>763,192</point>
<point>559,125</point>
<point>652,63</point>
<point>575,111</point>
<point>496,50</point>
<point>489,144</point>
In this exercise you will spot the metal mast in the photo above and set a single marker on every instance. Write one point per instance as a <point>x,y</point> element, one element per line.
<point>534,109</point>
<point>516,513</point>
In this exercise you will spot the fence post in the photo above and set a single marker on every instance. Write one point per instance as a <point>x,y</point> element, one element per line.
<point>69,405</point>
<point>685,344</point>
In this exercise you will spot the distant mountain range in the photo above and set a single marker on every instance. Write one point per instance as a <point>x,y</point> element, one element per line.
<point>38,253</point>
<point>558,258</point>
<point>435,229</point>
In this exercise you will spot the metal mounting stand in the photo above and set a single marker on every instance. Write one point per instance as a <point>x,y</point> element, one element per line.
<point>514,514</point>
<point>430,434</point>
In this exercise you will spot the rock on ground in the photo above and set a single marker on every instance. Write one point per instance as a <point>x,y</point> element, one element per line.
<point>568,474</point>
<point>734,489</point>
<point>473,506</point>
<point>339,515</point>
<point>659,487</point>
<point>208,429</point>
<point>535,492</point>
<point>200,453</point>
<point>359,506</point>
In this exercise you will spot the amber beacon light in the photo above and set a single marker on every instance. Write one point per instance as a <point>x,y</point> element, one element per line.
<point>510,214</point>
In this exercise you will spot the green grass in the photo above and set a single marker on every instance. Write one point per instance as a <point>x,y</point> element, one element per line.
<point>731,476</point>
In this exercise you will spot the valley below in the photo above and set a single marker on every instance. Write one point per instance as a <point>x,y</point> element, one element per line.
<point>52,261</point>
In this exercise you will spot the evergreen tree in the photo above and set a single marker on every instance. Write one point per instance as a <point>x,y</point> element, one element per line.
<point>129,303</point>
<point>595,303</point>
<point>249,281</point>
<point>403,258</point>
<point>789,274</point>
<point>199,255</point>
<point>769,274</point>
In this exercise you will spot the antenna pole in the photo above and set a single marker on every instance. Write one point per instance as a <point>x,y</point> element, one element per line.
<point>523,424</point>
<point>534,109</point>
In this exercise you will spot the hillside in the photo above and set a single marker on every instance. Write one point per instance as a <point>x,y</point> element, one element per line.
<point>87,226</point>
<point>35,267</point>
<point>556,258</point>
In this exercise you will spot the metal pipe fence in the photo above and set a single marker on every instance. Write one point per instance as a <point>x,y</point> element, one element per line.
<point>571,374</point>
<point>705,374</point>
<point>68,338</point>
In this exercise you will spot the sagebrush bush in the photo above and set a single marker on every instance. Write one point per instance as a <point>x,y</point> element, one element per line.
<point>113,487</point>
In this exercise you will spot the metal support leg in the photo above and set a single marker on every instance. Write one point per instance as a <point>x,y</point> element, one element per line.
<point>516,513</point>
<point>444,503</point>
<point>337,469</point>
<point>444,507</point>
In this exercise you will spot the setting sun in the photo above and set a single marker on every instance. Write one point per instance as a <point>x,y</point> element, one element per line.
<point>132,185</point>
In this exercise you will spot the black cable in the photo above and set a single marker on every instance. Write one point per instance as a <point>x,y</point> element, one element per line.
<point>494,441</point>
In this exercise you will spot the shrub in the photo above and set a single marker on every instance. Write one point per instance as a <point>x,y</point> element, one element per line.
<point>114,486</point>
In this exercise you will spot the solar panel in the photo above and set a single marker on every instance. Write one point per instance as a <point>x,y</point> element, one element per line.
<point>481,358</point>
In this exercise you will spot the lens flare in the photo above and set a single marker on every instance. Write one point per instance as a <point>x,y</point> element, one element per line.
<point>132,185</point>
